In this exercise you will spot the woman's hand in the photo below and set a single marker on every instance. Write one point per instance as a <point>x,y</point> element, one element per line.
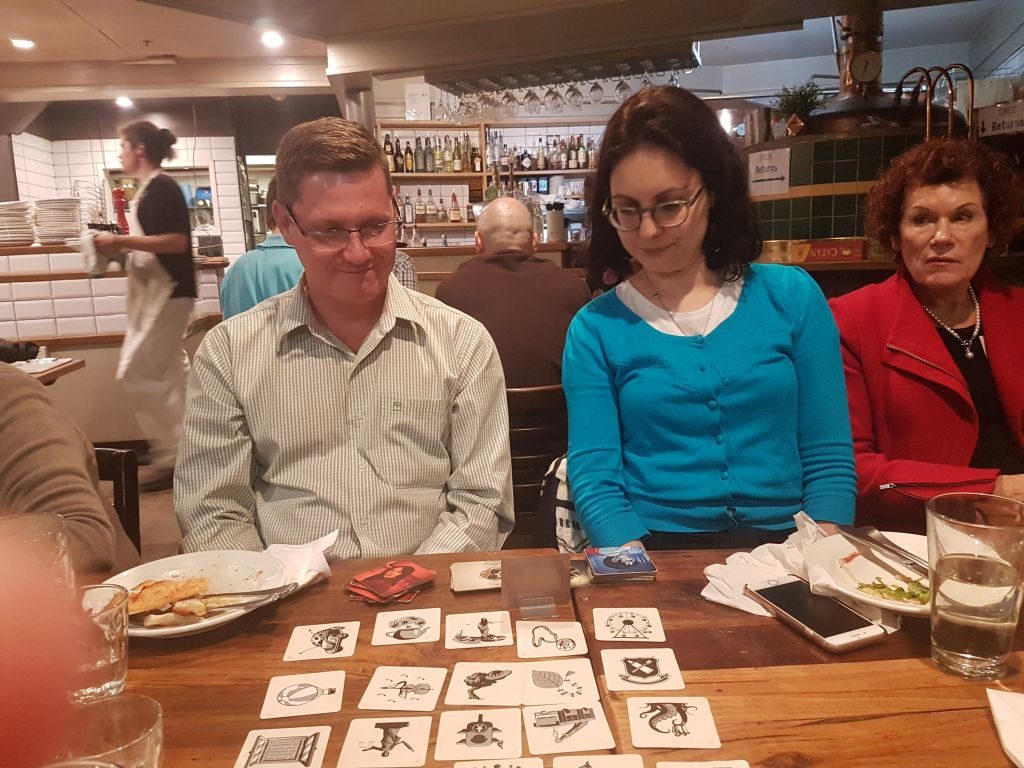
<point>1010,486</point>
<point>107,243</point>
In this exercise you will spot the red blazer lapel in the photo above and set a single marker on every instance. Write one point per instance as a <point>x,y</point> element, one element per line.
<point>1002,320</point>
<point>913,346</point>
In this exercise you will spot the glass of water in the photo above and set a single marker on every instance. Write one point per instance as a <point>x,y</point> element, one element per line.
<point>125,731</point>
<point>104,642</point>
<point>976,558</point>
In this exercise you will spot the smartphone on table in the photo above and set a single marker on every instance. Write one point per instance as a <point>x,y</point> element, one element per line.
<point>825,621</point>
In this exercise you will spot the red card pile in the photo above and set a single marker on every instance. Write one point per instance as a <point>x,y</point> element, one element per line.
<point>397,581</point>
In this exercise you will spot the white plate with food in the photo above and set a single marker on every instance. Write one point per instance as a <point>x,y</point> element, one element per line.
<point>167,595</point>
<point>873,578</point>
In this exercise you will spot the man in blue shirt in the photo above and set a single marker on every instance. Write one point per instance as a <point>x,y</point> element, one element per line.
<point>273,267</point>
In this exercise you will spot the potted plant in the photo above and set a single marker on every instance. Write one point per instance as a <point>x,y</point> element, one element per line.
<point>797,102</point>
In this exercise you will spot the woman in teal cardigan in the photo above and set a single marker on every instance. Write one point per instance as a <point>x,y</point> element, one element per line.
<point>706,396</point>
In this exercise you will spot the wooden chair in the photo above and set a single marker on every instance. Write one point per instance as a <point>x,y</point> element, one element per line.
<point>122,468</point>
<point>538,434</point>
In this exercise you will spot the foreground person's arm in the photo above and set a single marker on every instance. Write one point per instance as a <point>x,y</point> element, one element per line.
<point>213,492</point>
<point>46,465</point>
<point>479,488</point>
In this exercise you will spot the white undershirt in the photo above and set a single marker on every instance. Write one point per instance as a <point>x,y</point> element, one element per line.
<point>699,321</point>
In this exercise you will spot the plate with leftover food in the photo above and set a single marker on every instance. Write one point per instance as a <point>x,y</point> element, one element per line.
<point>870,577</point>
<point>168,597</point>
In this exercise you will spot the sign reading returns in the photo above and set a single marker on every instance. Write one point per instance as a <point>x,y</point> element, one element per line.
<point>769,172</point>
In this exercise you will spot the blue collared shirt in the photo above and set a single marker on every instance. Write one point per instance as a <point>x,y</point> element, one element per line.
<point>272,267</point>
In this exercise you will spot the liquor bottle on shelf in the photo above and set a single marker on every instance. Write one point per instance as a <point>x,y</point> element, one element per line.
<point>447,154</point>
<point>526,161</point>
<point>470,216</point>
<point>414,240</point>
<point>428,156</point>
<point>442,211</point>
<point>563,156</point>
<point>573,159</point>
<point>408,159</point>
<point>491,193</point>
<point>514,159</point>
<point>591,154</point>
<point>389,152</point>
<point>420,209</point>
<point>419,160</point>
<point>455,212</point>
<point>467,160</point>
<point>457,156</point>
<point>503,158</point>
<point>581,150</point>
<point>408,213</point>
<point>399,157</point>
<point>478,165</point>
<point>431,207</point>
<point>542,161</point>
<point>438,156</point>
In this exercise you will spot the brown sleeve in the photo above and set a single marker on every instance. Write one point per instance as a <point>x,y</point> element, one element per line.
<point>46,465</point>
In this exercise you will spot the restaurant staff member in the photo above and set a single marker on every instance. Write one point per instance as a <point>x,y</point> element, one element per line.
<point>153,368</point>
<point>348,403</point>
<point>705,393</point>
<point>934,355</point>
<point>47,465</point>
<point>273,267</point>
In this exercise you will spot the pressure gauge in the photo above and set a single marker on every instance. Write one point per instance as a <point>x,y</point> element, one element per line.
<point>866,66</point>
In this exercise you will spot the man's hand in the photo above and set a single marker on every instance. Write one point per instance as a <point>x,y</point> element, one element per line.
<point>107,243</point>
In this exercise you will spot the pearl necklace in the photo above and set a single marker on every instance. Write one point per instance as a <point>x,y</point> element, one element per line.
<point>966,344</point>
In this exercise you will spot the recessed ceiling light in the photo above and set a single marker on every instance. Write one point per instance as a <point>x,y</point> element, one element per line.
<point>23,44</point>
<point>123,101</point>
<point>272,39</point>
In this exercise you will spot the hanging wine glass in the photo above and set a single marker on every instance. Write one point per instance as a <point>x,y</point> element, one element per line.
<point>646,82</point>
<point>509,103</point>
<point>674,79</point>
<point>596,93</point>
<point>622,91</point>
<point>532,102</point>
<point>574,98</point>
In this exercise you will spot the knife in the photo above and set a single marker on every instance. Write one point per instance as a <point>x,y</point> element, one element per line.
<point>860,538</point>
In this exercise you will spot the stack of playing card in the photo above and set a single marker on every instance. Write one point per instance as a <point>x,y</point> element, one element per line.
<point>614,564</point>
<point>397,581</point>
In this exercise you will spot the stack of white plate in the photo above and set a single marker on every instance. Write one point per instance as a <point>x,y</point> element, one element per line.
<point>58,220</point>
<point>16,224</point>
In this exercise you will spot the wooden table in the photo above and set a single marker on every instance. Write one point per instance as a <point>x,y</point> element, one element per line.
<point>54,372</point>
<point>778,701</point>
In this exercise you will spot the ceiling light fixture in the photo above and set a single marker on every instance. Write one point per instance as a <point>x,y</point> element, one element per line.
<point>123,101</point>
<point>272,39</point>
<point>23,44</point>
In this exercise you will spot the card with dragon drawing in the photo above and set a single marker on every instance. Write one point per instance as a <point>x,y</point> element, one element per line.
<point>676,722</point>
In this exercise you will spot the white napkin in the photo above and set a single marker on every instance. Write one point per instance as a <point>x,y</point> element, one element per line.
<point>1008,713</point>
<point>726,581</point>
<point>304,564</point>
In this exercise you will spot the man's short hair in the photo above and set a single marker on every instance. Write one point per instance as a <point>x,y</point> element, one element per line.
<point>328,144</point>
<point>271,198</point>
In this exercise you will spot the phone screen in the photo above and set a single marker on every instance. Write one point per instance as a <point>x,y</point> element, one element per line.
<point>821,614</point>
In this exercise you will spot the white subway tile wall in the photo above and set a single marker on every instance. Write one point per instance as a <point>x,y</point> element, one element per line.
<point>46,169</point>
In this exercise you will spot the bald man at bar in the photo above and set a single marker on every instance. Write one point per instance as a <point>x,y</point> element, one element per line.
<point>524,301</point>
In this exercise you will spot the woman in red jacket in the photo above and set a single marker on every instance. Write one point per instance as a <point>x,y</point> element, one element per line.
<point>934,356</point>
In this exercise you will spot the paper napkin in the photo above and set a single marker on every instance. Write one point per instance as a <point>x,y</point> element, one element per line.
<point>304,564</point>
<point>1008,713</point>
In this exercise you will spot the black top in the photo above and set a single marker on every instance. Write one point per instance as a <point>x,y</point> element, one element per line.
<point>995,448</point>
<point>163,210</point>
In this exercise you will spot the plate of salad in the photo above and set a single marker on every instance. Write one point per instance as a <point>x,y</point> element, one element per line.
<point>871,577</point>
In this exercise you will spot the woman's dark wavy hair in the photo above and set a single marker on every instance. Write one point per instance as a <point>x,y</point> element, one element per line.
<point>945,161</point>
<point>675,120</point>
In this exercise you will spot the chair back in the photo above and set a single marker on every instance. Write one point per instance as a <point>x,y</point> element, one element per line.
<point>121,466</point>
<point>538,434</point>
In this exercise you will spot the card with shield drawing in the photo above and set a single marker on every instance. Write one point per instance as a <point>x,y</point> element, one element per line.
<point>598,761</point>
<point>313,693</point>
<point>389,741</point>
<point>571,727</point>
<point>675,722</point>
<point>548,639</point>
<point>322,641</point>
<point>628,625</point>
<point>477,630</point>
<point>404,689</point>
<point>495,684</point>
<point>465,734</point>
<point>641,669</point>
<point>403,627</point>
<point>285,748</point>
<point>558,681</point>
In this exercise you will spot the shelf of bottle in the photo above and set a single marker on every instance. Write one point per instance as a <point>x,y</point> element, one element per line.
<point>446,225</point>
<point>567,172</point>
<point>395,176</point>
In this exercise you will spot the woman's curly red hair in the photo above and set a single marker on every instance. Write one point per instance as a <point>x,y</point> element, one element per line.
<point>945,161</point>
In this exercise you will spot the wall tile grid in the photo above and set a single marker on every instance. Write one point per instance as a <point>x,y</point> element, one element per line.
<point>79,307</point>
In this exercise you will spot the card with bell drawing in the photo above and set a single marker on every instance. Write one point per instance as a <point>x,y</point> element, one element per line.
<point>641,669</point>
